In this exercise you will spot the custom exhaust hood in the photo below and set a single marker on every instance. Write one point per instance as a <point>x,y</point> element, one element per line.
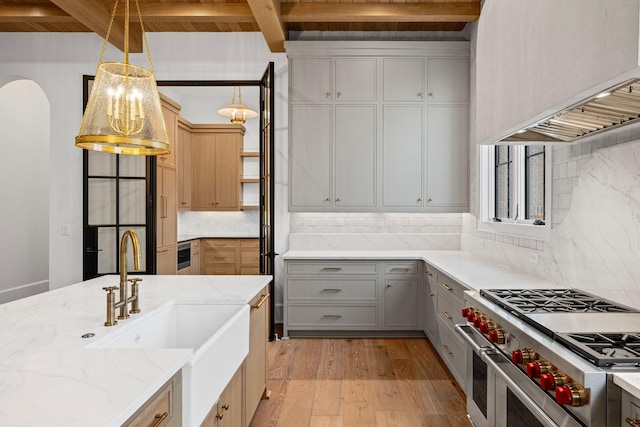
<point>609,109</point>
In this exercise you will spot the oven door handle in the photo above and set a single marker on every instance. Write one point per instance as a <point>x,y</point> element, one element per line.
<point>477,342</point>
<point>513,385</point>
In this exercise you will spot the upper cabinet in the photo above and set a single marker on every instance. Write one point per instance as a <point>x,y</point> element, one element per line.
<point>170,112</point>
<point>378,127</point>
<point>185,164</point>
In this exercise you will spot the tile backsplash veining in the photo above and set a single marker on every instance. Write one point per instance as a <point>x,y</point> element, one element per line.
<point>219,224</point>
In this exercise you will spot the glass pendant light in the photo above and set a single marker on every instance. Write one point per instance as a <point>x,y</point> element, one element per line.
<point>124,115</point>
<point>238,113</point>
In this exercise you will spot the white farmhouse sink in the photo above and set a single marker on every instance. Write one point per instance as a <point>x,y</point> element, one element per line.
<point>218,335</point>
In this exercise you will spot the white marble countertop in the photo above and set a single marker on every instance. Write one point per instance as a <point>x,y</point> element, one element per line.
<point>49,378</point>
<point>475,273</point>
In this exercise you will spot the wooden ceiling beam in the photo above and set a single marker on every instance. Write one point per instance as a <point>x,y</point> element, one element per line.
<point>25,13</point>
<point>96,14</point>
<point>380,12</point>
<point>267,14</point>
<point>194,12</point>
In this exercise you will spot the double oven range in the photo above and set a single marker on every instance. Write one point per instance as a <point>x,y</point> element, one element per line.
<point>545,357</point>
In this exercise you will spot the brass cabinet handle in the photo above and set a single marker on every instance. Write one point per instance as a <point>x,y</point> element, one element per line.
<point>164,204</point>
<point>327,199</point>
<point>219,415</point>
<point>447,315</point>
<point>446,287</point>
<point>632,422</point>
<point>327,94</point>
<point>162,250</point>
<point>225,406</point>
<point>400,269</point>
<point>338,94</point>
<point>331,316</point>
<point>446,349</point>
<point>159,418</point>
<point>430,274</point>
<point>332,290</point>
<point>430,93</point>
<point>429,199</point>
<point>332,268</point>
<point>338,199</point>
<point>420,94</point>
<point>262,300</point>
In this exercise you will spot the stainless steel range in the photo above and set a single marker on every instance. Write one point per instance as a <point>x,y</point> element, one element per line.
<point>544,357</point>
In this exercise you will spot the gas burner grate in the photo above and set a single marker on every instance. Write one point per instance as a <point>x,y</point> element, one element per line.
<point>604,349</point>
<point>527,301</point>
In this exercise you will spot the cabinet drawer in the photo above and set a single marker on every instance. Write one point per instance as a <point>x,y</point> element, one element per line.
<point>401,268</point>
<point>161,405</point>
<point>451,287</point>
<point>449,310</point>
<point>453,352</point>
<point>332,268</point>
<point>249,257</point>
<point>339,289</point>
<point>250,270</point>
<point>331,316</point>
<point>221,255</point>
<point>220,269</point>
<point>219,243</point>
<point>249,243</point>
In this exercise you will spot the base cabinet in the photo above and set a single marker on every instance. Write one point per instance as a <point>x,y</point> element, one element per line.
<point>230,256</point>
<point>163,409</point>
<point>324,297</point>
<point>255,366</point>
<point>228,411</point>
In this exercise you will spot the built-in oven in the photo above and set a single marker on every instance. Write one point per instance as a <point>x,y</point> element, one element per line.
<point>477,381</point>
<point>184,255</point>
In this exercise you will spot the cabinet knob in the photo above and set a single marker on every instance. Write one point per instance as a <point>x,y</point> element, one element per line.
<point>431,94</point>
<point>338,199</point>
<point>338,94</point>
<point>420,94</point>
<point>429,199</point>
<point>327,94</point>
<point>419,200</point>
<point>327,199</point>
<point>388,285</point>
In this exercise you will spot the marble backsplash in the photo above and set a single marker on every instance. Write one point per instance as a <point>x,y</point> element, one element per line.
<point>373,241</point>
<point>219,224</point>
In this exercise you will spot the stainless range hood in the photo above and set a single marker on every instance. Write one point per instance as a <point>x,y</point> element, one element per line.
<point>609,109</point>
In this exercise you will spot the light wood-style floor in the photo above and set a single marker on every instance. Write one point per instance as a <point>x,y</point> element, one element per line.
<point>359,382</point>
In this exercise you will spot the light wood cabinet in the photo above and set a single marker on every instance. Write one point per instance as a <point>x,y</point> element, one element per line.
<point>163,409</point>
<point>195,257</point>
<point>216,167</point>
<point>230,256</point>
<point>185,164</point>
<point>255,375</point>
<point>167,260</point>
<point>404,150</point>
<point>166,209</point>
<point>228,411</point>
<point>170,112</point>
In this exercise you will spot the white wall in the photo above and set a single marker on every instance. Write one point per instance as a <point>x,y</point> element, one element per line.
<point>24,219</point>
<point>533,56</point>
<point>57,62</point>
<point>595,186</point>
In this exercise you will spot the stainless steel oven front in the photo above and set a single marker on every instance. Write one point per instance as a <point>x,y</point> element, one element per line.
<point>477,381</point>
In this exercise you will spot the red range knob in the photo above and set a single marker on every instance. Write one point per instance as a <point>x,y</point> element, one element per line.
<point>571,394</point>
<point>534,369</point>
<point>522,356</point>
<point>497,336</point>
<point>478,320</point>
<point>472,315</point>
<point>466,310</point>
<point>486,327</point>
<point>550,380</point>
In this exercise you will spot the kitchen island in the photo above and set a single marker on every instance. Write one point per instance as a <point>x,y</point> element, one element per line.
<point>49,377</point>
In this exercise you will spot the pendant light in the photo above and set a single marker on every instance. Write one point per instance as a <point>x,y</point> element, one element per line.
<point>123,115</point>
<point>238,113</point>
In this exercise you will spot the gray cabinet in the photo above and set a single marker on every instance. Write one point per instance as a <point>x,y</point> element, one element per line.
<point>378,129</point>
<point>337,297</point>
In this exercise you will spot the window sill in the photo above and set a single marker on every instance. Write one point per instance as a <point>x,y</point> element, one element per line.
<point>537,232</point>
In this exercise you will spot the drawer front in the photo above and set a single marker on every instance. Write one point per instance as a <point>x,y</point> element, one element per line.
<point>249,257</point>
<point>332,268</point>
<point>220,255</point>
<point>161,405</point>
<point>449,309</point>
<point>401,268</point>
<point>219,243</point>
<point>331,316</point>
<point>222,269</point>
<point>454,352</point>
<point>249,243</point>
<point>337,289</point>
<point>451,287</point>
<point>250,270</point>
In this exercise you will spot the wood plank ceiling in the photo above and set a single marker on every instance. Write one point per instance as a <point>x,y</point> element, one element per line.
<point>274,18</point>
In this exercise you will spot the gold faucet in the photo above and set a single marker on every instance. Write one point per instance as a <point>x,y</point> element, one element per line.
<point>124,298</point>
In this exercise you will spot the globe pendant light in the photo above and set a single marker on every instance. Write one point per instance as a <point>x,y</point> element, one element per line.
<point>124,115</point>
<point>238,113</point>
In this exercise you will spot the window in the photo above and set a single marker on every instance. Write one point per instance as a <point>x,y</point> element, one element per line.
<point>515,190</point>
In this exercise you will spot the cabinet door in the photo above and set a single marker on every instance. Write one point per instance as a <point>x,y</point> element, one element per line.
<point>448,79</point>
<point>230,405</point>
<point>167,260</point>
<point>171,124</point>
<point>256,362</point>
<point>431,321</point>
<point>203,175</point>
<point>166,212</point>
<point>447,155</point>
<point>355,159</point>
<point>401,302</point>
<point>402,160</point>
<point>310,156</point>
<point>310,79</point>
<point>403,79</point>
<point>355,79</point>
<point>227,172</point>
<point>195,257</point>
<point>185,168</point>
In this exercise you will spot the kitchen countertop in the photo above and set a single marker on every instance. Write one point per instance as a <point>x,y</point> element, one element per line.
<point>48,376</point>
<point>475,273</point>
<point>186,237</point>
